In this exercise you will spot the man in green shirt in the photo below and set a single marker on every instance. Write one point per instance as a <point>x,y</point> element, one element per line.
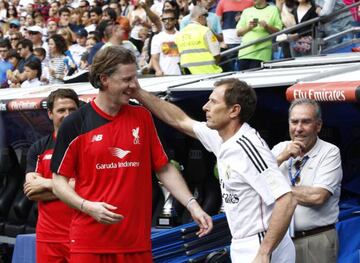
<point>257,22</point>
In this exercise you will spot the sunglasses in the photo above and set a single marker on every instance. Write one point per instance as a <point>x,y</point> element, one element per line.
<point>168,19</point>
<point>205,15</point>
<point>13,39</point>
<point>33,33</point>
<point>13,26</point>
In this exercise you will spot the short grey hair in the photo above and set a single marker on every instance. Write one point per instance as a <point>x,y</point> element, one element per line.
<point>197,11</point>
<point>315,104</point>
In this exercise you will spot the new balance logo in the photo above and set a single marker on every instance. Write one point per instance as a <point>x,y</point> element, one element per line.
<point>117,152</point>
<point>97,138</point>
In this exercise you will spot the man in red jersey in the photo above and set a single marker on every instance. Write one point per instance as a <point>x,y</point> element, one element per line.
<point>111,148</point>
<point>52,230</point>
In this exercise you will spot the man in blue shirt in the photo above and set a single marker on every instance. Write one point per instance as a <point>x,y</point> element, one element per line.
<point>5,65</point>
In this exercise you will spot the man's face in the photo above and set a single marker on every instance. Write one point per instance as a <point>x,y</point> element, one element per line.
<point>95,18</point>
<point>303,125</point>
<point>55,8</point>
<point>169,21</point>
<point>115,7</point>
<point>121,84</point>
<point>23,52</point>
<point>83,6</point>
<point>35,37</point>
<point>4,52</point>
<point>62,108</point>
<point>218,114</point>
<point>65,18</point>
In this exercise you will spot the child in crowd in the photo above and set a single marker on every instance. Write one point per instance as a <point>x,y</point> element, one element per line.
<point>33,73</point>
<point>40,53</point>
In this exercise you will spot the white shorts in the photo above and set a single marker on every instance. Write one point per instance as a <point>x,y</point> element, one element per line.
<point>244,250</point>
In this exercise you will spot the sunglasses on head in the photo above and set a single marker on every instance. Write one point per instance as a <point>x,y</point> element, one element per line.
<point>13,26</point>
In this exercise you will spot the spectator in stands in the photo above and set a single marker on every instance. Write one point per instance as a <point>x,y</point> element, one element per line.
<point>257,200</point>
<point>119,234</point>
<point>14,26</point>
<point>3,9</point>
<point>198,46</point>
<point>90,42</point>
<point>52,230</point>
<point>304,11</point>
<point>257,22</point>
<point>25,50</point>
<point>95,15</point>
<point>78,49</point>
<point>36,37</point>
<point>57,67</point>
<point>165,57</point>
<point>64,14</point>
<point>86,22</point>
<point>40,53</point>
<point>54,9</point>
<point>337,24</point>
<point>126,7</point>
<point>15,38</point>
<point>14,58</point>
<point>75,20</point>
<point>52,27</point>
<point>11,13</point>
<point>212,21</point>
<point>5,65</point>
<point>230,12</point>
<point>84,5</point>
<point>109,14</point>
<point>114,5</point>
<point>32,73</point>
<point>313,169</point>
<point>29,20</point>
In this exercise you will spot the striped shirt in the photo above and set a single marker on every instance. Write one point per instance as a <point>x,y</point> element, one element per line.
<point>249,177</point>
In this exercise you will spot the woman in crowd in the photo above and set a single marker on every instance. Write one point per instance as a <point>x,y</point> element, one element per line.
<point>11,13</point>
<point>3,10</point>
<point>57,48</point>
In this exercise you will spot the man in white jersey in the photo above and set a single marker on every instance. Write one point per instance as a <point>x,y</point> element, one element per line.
<point>257,199</point>
<point>313,169</point>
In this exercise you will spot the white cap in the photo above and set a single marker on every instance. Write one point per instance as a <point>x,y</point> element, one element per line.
<point>35,29</point>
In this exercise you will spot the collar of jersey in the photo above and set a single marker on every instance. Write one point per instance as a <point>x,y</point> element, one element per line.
<point>102,113</point>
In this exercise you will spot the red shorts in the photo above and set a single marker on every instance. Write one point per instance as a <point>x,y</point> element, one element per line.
<point>52,252</point>
<point>141,257</point>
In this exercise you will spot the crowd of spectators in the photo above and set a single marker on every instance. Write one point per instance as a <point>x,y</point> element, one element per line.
<point>45,41</point>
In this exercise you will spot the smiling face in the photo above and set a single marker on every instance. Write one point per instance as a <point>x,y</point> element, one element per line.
<point>120,85</point>
<point>61,109</point>
<point>304,125</point>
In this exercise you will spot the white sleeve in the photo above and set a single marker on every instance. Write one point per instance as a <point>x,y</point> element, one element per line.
<point>210,138</point>
<point>155,45</point>
<point>329,173</point>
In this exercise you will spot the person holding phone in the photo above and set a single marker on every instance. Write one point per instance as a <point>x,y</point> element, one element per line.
<point>257,22</point>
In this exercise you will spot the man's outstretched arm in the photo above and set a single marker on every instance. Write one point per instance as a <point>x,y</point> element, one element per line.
<point>166,111</point>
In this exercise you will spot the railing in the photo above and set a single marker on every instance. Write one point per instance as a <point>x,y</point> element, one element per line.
<point>319,41</point>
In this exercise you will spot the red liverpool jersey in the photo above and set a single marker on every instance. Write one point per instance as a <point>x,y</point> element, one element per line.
<point>111,159</point>
<point>54,216</point>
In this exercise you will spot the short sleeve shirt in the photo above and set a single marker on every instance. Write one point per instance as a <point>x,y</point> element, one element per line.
<point>322,169</point>
<point>54,216</point>
<point>250,180</point>
<point>111,159</point>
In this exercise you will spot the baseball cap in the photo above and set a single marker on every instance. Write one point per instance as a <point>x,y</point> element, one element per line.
<point>81,32</point>
<point>14,22</point>
<point>35,29</point>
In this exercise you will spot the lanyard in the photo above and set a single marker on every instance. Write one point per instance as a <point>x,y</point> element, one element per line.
<point>298,169</point>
